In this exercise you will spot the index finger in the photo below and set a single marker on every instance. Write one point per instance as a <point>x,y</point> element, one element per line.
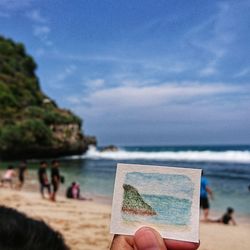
<point>122,242</point>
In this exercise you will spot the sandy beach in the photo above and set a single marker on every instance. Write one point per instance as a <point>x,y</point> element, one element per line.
<point>85,224</point>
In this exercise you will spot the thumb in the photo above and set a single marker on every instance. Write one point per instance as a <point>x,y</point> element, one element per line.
<point>148,239</point>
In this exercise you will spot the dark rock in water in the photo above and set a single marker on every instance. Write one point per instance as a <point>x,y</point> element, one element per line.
<point>31,123</point>
<point>110,148</point>
<point>133,203</point>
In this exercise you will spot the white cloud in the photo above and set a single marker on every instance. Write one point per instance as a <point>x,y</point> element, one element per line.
<point>125,64</point>
<point>127,97</point>
<point>243,72</point>
<point>74,99</point>
<point>68,71</point>
<point>36,16</point>
<point>42,32</point>
<point>95,83</point>
<point>169,124</point>
<point>40,52</point>
<point>128,82</point>
<point>92,85</point>
<point>209,69</point>
<point>8,7</point>
<point>57,81</point>
<point>15,4</point>
<point>158,95</point>
<point>172,111</point>
<point>213,38</point>
<point>41,29</point>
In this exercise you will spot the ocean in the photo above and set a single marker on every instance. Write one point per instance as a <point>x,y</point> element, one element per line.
<point>227,169</point>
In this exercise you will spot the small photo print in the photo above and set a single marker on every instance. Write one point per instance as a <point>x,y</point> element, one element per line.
<point>165,198</point>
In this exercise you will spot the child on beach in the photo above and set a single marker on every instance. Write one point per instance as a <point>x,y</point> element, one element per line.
<point>8,176</point>
<point>227,217</point>
<point>73,192</point>
<point>76,191</point>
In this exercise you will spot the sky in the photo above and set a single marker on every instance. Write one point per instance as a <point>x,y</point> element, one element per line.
<point>176,185</point>
<point>140,72</point>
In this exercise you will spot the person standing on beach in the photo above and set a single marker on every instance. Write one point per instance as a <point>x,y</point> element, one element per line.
<point>204,192</point>
<point>22,168</point>
<point>43,178</point>
<point>55,179</point>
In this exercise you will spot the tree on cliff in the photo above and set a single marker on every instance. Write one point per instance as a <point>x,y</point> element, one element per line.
<point>31,124</point>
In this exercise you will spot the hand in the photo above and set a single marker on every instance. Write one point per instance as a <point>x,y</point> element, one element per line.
<point>148,239</point>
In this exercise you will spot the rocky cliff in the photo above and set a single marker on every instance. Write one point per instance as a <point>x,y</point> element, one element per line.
<point>133,203</point>
<point>31,123</point>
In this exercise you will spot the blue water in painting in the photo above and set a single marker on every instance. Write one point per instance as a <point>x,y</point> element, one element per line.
<point>170,211</point>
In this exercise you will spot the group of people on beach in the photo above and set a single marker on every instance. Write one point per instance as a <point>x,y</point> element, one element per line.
<point>205,194</point>
<point>52,186</point>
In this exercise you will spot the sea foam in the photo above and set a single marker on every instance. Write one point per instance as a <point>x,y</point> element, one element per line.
<point>189,155</point>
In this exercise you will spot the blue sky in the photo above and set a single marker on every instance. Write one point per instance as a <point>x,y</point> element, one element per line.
<point>175,185</point>
<point>139,71</point>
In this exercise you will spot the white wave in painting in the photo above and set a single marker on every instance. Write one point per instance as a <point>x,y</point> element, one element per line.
<point>194,156</point>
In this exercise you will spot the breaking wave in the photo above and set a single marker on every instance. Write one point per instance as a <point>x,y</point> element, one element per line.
<point>233,156</point>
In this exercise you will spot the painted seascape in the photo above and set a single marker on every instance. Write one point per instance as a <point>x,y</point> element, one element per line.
<point>161,199</point>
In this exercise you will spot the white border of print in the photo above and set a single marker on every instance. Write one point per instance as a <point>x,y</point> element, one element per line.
<point>117,225</point>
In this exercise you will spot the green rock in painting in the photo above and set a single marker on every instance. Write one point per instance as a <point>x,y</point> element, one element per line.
<point>133,203</point>
<point>31,123</point>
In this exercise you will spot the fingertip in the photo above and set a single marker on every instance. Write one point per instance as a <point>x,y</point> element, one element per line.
<point>148,238</point>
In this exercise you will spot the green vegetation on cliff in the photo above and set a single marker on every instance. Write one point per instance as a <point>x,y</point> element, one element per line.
<point>133,202</point>
<point>31,124</point>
